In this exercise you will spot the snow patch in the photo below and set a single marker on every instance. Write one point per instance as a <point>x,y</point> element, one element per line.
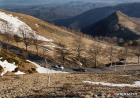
<point>135,84</point>
<point>40,69</point>
<point>8,67</point>
<point>53,46</point>
<point>14,26</point>
<point>19,73</point>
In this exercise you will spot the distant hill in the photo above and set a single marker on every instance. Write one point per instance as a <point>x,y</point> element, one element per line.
<point>95,15</point>
<point>50,12</point>
<point>116,25</point>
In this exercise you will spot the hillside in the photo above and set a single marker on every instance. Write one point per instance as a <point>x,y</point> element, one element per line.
<point>94,15</point>
<point>46,46</point>
<point>39,59</point>
<point>20,37</point>
<point>40,42</point>
<point>116,25</point>
<point>44,29</point>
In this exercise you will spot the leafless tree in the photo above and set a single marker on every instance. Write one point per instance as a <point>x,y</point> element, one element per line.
<point>49,79</point>
<point>17,39</point>
<point>111,55</point>
<point>94,53</point>
<point>25,35</point>
<point>35,41</point>
<point>79,49</point>
<point>137,53</point>
<point>7,31</point>
<point>62,52</point>
<point>126,54</point>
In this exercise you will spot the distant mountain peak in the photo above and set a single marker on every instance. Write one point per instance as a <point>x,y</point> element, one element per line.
<point>119,15</point>
<point>116,25</point>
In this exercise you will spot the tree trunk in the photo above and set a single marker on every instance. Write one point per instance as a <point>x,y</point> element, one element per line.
<point>17,44</point>
<point>126,53</point>
<point>49,79</point>
<point>45,62</point>
<point>95,61</point>
<point>138,59</point>
<point>111,51</point>
<point>115,67</point>
<point>37,49</point>
<point>125,65</point>
<point>26,47</point>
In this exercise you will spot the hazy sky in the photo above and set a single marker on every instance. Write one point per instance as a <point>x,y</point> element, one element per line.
<point>34,2</point>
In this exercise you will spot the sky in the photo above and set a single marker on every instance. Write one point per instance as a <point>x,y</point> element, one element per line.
<point>38,2</point>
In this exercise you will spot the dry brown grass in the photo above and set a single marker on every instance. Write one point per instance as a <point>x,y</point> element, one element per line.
<point>62,85</point>
<point>60,35</point>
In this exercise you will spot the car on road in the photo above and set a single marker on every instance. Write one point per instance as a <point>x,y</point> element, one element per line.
<point>58,67</point>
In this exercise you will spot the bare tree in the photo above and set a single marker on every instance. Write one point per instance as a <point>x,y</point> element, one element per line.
<point>111,55</point>
<point>35,41</point>
<point>25,35</point>
<point>137,53</point>
<point>49,79</point>
<point>62,52</point>
<point>17,39</point>
<point>7,31</point>
<point>79,49</point>
<point>94,54</point>
<point>126,55</point>
<point>45,49</point>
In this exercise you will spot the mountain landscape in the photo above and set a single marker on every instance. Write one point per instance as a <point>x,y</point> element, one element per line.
<point>50,12</point>
<point>94,15</point>
<point>35,35</point>
<point>54,12</point>
<point>69,49</point>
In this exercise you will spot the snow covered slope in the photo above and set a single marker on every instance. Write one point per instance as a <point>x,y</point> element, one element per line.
<point>13,26</point>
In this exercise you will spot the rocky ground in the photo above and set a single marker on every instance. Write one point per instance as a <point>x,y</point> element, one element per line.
<point>67,85</point>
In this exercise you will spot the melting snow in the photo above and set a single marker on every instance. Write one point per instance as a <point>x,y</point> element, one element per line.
<point>40,69</point>
<point>19,73</point>
<point>53,46</point>
<point>8,67</point>
<point>14,25</point>
<point>136,84</point>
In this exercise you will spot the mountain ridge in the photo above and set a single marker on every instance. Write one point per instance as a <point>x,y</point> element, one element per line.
<point>94,15</point>
<point>115,25</point>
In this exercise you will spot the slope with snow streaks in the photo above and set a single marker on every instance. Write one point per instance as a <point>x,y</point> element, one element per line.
<point>13,26</point>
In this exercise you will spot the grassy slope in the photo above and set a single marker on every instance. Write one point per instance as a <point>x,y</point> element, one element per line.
<point>22,64</point>
<point>59,34</point>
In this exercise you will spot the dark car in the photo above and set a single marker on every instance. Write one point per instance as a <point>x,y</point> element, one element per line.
<point>79,69</point>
